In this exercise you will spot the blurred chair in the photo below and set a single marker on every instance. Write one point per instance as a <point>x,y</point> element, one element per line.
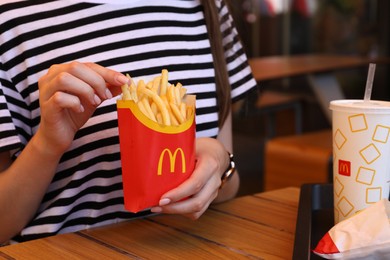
<point>298,159</point>
<point>269,103</point>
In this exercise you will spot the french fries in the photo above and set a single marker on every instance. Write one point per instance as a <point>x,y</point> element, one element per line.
<point>159,100</point>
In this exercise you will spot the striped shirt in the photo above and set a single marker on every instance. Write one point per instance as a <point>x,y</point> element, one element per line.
<point>136,37</point>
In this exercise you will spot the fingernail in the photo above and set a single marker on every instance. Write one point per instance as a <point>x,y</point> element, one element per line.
<point>164,202</point>
<point>81,108</point>
<point>108,94</point>
<point>122,79</point>
<point>97,99</point>
<point>156,209</point>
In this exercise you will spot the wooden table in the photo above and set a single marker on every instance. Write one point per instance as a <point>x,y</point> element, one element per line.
<point>317,68</point>
<point>259,226</point>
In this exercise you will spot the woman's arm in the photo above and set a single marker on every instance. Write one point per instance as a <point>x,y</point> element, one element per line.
<point>225,136</point>
<point>22,186</point>
<point>68,95</point>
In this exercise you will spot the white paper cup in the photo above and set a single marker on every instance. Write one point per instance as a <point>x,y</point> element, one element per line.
<point>361,154</point>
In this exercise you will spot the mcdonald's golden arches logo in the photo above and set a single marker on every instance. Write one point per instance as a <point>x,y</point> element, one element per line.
<point>344,168</point>
<point>172,160</point>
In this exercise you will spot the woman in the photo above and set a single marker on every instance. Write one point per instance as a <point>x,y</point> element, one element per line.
<point>59,148</point>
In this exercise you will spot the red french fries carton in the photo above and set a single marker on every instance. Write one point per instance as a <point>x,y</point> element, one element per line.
<point>155,158</point>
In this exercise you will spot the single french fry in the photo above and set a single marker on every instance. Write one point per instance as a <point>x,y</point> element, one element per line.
<point>164,82</point>
<point>173,118</point>
<point>179,86</point>
<point>171,115</point>
<point>159,102</point>
<point>125,92</point>
<point>140,85</point>
<point>164,98</point>
<point>133,92</point>
<point>149,85</point>
<point>156,84</point>
<point>177,95</point>
<point>183,110</point>
<point>176,112</point>
<point>171,94</point>
<point>142,108</point>
<point>148,109</point>
<point>183,92</point>
<point>159,118</point>
<point>154,108</point>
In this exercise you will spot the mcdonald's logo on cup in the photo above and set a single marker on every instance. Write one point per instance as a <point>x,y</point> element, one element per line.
<point>344,168</point>
<point>172,160</point>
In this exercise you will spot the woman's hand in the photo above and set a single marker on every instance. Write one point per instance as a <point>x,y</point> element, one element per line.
<point>68,95</point>
<point>202,187</point>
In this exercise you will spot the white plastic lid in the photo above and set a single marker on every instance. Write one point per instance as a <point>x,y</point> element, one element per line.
<point>360,106</point>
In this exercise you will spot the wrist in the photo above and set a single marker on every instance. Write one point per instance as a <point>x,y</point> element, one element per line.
<point>42,147</point>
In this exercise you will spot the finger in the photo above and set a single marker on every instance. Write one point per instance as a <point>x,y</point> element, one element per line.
<point>61,100</point>
<point>204,172</point>
<point>200,189</point>
<point>91,77</point>
<point>94,75</point>
<point>114,90</point>
<point>111,77</point>
<point>192,207</point>
<point>68,83</point>
<point>73,77</point>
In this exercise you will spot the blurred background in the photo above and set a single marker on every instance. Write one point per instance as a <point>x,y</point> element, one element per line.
<point>303,27</point>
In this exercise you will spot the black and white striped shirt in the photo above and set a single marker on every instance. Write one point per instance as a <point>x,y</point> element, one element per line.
<point>136,37</point>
